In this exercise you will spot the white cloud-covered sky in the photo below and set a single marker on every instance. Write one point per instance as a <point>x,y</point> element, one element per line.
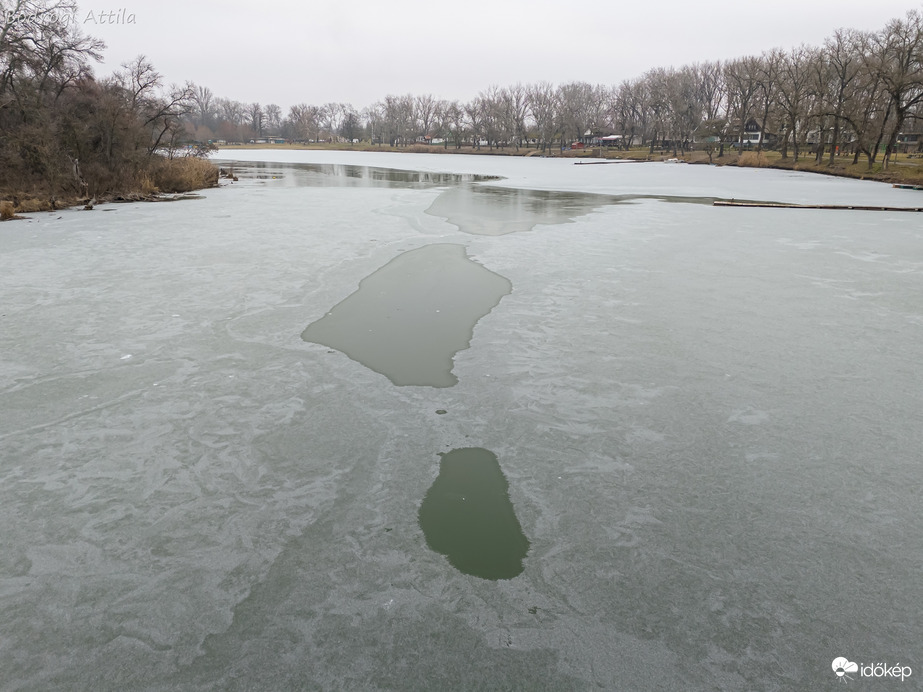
<point>358,51</point>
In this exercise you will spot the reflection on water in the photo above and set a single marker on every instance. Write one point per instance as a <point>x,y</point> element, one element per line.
<point>490,210</point>
<point>467,516</point>
<point>473,207</point>
<point>345,175</point>
<point>409,319</point>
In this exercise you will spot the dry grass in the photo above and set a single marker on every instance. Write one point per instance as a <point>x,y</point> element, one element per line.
<point>422,149</point>
<point>146,185</point>
<point>34,204</point>
<point>7,211</point>
<point>184,175</point>
<point>753,159</point>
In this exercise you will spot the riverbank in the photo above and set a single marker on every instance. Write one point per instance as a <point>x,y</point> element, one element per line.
<point>167,180</point>
<point>905,169</point>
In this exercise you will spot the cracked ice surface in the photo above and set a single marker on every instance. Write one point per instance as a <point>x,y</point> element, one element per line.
<point>708,420</point>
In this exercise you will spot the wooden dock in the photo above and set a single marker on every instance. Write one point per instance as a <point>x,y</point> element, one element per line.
<point>779,205</point>
<point>602,163</point>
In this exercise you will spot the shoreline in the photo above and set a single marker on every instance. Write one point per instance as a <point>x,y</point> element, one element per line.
<point>902,170</point>
<point>905,170</point>
<point>89,204</point>
<point>167,181</point>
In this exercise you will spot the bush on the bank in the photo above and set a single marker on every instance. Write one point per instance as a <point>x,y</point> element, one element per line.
<point>183,174</point>
<point>6,211</point>
<point>146,185</point>
<point>33,204</point>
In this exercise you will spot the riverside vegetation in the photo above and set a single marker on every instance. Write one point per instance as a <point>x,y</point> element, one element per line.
<point>68,137</point>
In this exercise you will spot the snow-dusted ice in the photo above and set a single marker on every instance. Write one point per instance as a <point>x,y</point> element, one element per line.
<point>708,420</point>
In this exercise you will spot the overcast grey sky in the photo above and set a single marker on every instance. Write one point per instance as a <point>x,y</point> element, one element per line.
<point>358,51</point>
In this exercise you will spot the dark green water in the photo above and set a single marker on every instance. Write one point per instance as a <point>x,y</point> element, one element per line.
<point>408,319</point>
<point>467,516</point>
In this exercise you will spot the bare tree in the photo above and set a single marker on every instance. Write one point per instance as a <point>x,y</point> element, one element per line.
<point>712,89</point>
<point>543,107</point>
<point>489,103</point>
<point>581,106</point>
<point>742,78</point>
<point>351,123</point>
<point>230,111</point>
<point>628,112</point>
<point>204,102</point>
<point>515,109</point>
<point>333,115</point>
<point>424,114</point>
<point>161,114</point>
<point>656,103</point>
<point>711,93</point>
<point>374,117</point>
<point>255,118</point>
<point>454,115</point>
<point>768,71</point>
<point>793,98</point>
<point>821,86</point>
<point>475,120</point>
<point>841,53</point>
<point>684,107</point>
<point>399,123</point>
<point>273,118</point>
<point>896,57</point>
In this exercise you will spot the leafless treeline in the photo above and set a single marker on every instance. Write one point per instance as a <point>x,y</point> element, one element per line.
<point>857,92</point>
<point>62,131</point>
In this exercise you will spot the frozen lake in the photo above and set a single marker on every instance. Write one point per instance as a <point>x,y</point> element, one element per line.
<point>391,421</point>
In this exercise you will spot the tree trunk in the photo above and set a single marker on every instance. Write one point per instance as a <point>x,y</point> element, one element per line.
<point>835,140</point>
<point>819,154</point>
<point>759,145</point>
<point>874,149</point>
<point>892,139</point>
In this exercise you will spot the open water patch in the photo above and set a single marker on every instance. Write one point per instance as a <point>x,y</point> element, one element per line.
<point>408,319</point>
<point>467,515</point>
<point>492,210</point>
<point>346,175</point>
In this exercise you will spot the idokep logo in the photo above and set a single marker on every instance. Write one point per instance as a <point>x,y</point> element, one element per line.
<point>843,666</point>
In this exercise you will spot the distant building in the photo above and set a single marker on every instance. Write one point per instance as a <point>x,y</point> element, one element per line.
<point>912,140</point>
<point>753,135</point>
<point>599,138</point>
